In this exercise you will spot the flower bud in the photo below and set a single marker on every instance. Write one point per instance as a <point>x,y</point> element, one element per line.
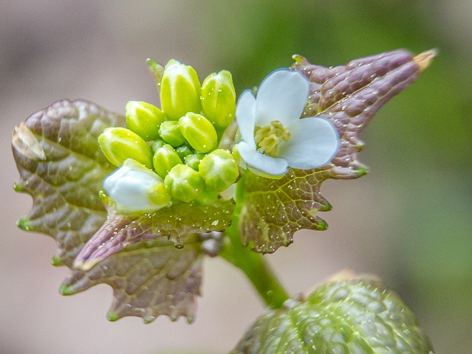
<point>144,119</point>
<point>183,151</point>
<point>119,144</point>
<point>199,132</point>
<point>180,90</point>
<point>219,99</point>
<point>219,170</point>
<point>158,194</point>
<point>171,133</point>
<point>135,189</point>
<point>184,183</point>
<point>164,159</point>
<point>193,160</point>
<point>157,145</point>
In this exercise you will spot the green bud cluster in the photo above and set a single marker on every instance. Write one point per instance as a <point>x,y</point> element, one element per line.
<point>179,142</point>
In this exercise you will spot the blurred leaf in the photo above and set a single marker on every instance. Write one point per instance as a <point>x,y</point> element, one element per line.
<point>345,316</point>
<point>348,96</point>
<point>149,279</point>
<point>65,182</point>
<point>174,222</point>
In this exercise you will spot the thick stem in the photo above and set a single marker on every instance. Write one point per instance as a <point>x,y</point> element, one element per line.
<point>254,266</point>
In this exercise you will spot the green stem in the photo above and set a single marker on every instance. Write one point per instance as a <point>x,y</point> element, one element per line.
<point>254,266</point>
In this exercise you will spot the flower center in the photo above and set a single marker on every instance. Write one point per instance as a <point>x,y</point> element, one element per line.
<point>268,138</point>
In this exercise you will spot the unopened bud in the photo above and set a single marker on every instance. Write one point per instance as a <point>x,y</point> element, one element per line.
<point>219,170</point>
<point>180,90</point>
<point>135,189</point>
<point>164,159</point>
<point>184,183</point>
<point>183,151</point>
<point>159,194</point>
<point>157,145</point>
<point>219,99</point>
<point>144,119</point>
<point>170,132</point>
<point>193,160</point>
<point>199,132</point>
<point>119,144</point>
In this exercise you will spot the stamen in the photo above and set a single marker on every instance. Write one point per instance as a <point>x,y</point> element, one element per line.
<point>268,138</point>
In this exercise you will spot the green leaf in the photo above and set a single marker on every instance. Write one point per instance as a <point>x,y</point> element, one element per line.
<point>348,96</point>
<point>174,222</point>
<point>345,316</point>
<point>62,168</point>
<point>149,279</point>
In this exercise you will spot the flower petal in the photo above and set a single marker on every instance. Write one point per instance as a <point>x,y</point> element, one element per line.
<point>128,187</point>
<point>282,96</point>
<point>265,163</point>
<point>245,113</point>
<point>313,143</point>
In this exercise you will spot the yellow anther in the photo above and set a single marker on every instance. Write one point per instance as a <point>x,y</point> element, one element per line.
<point>268,138</point>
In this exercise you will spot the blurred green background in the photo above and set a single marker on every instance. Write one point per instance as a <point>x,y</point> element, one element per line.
<point>409,220</point>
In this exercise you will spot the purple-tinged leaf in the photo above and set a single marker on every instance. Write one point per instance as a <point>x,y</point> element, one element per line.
<point>62,168</point>
<point>174,222</point>
<point>348,96</point>
<point>149,279</point>
<point>341,316</point>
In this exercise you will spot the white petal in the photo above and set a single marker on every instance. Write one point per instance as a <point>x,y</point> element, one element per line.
<point>128,187</point>
<point>282,96</point>
<point>245,113</point>
<point>313,143</point>
<point>265,163</point>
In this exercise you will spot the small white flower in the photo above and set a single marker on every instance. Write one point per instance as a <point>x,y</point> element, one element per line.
<point>135,189</point>
<point>274,137</point>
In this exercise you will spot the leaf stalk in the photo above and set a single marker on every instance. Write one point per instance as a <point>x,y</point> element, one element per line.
<point>253,264</point>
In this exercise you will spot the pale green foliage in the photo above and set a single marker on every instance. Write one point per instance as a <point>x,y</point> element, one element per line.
<point>347,316</point>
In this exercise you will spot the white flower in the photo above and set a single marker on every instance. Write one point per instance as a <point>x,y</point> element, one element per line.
<point>274,137</point>
<point>135,189</point>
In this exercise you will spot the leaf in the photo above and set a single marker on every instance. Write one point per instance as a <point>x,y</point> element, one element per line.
<point>149,279</point>
<point>174,222</point>
<point>345,316</point>
<point>62,168</point>
<point>348,96</point>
